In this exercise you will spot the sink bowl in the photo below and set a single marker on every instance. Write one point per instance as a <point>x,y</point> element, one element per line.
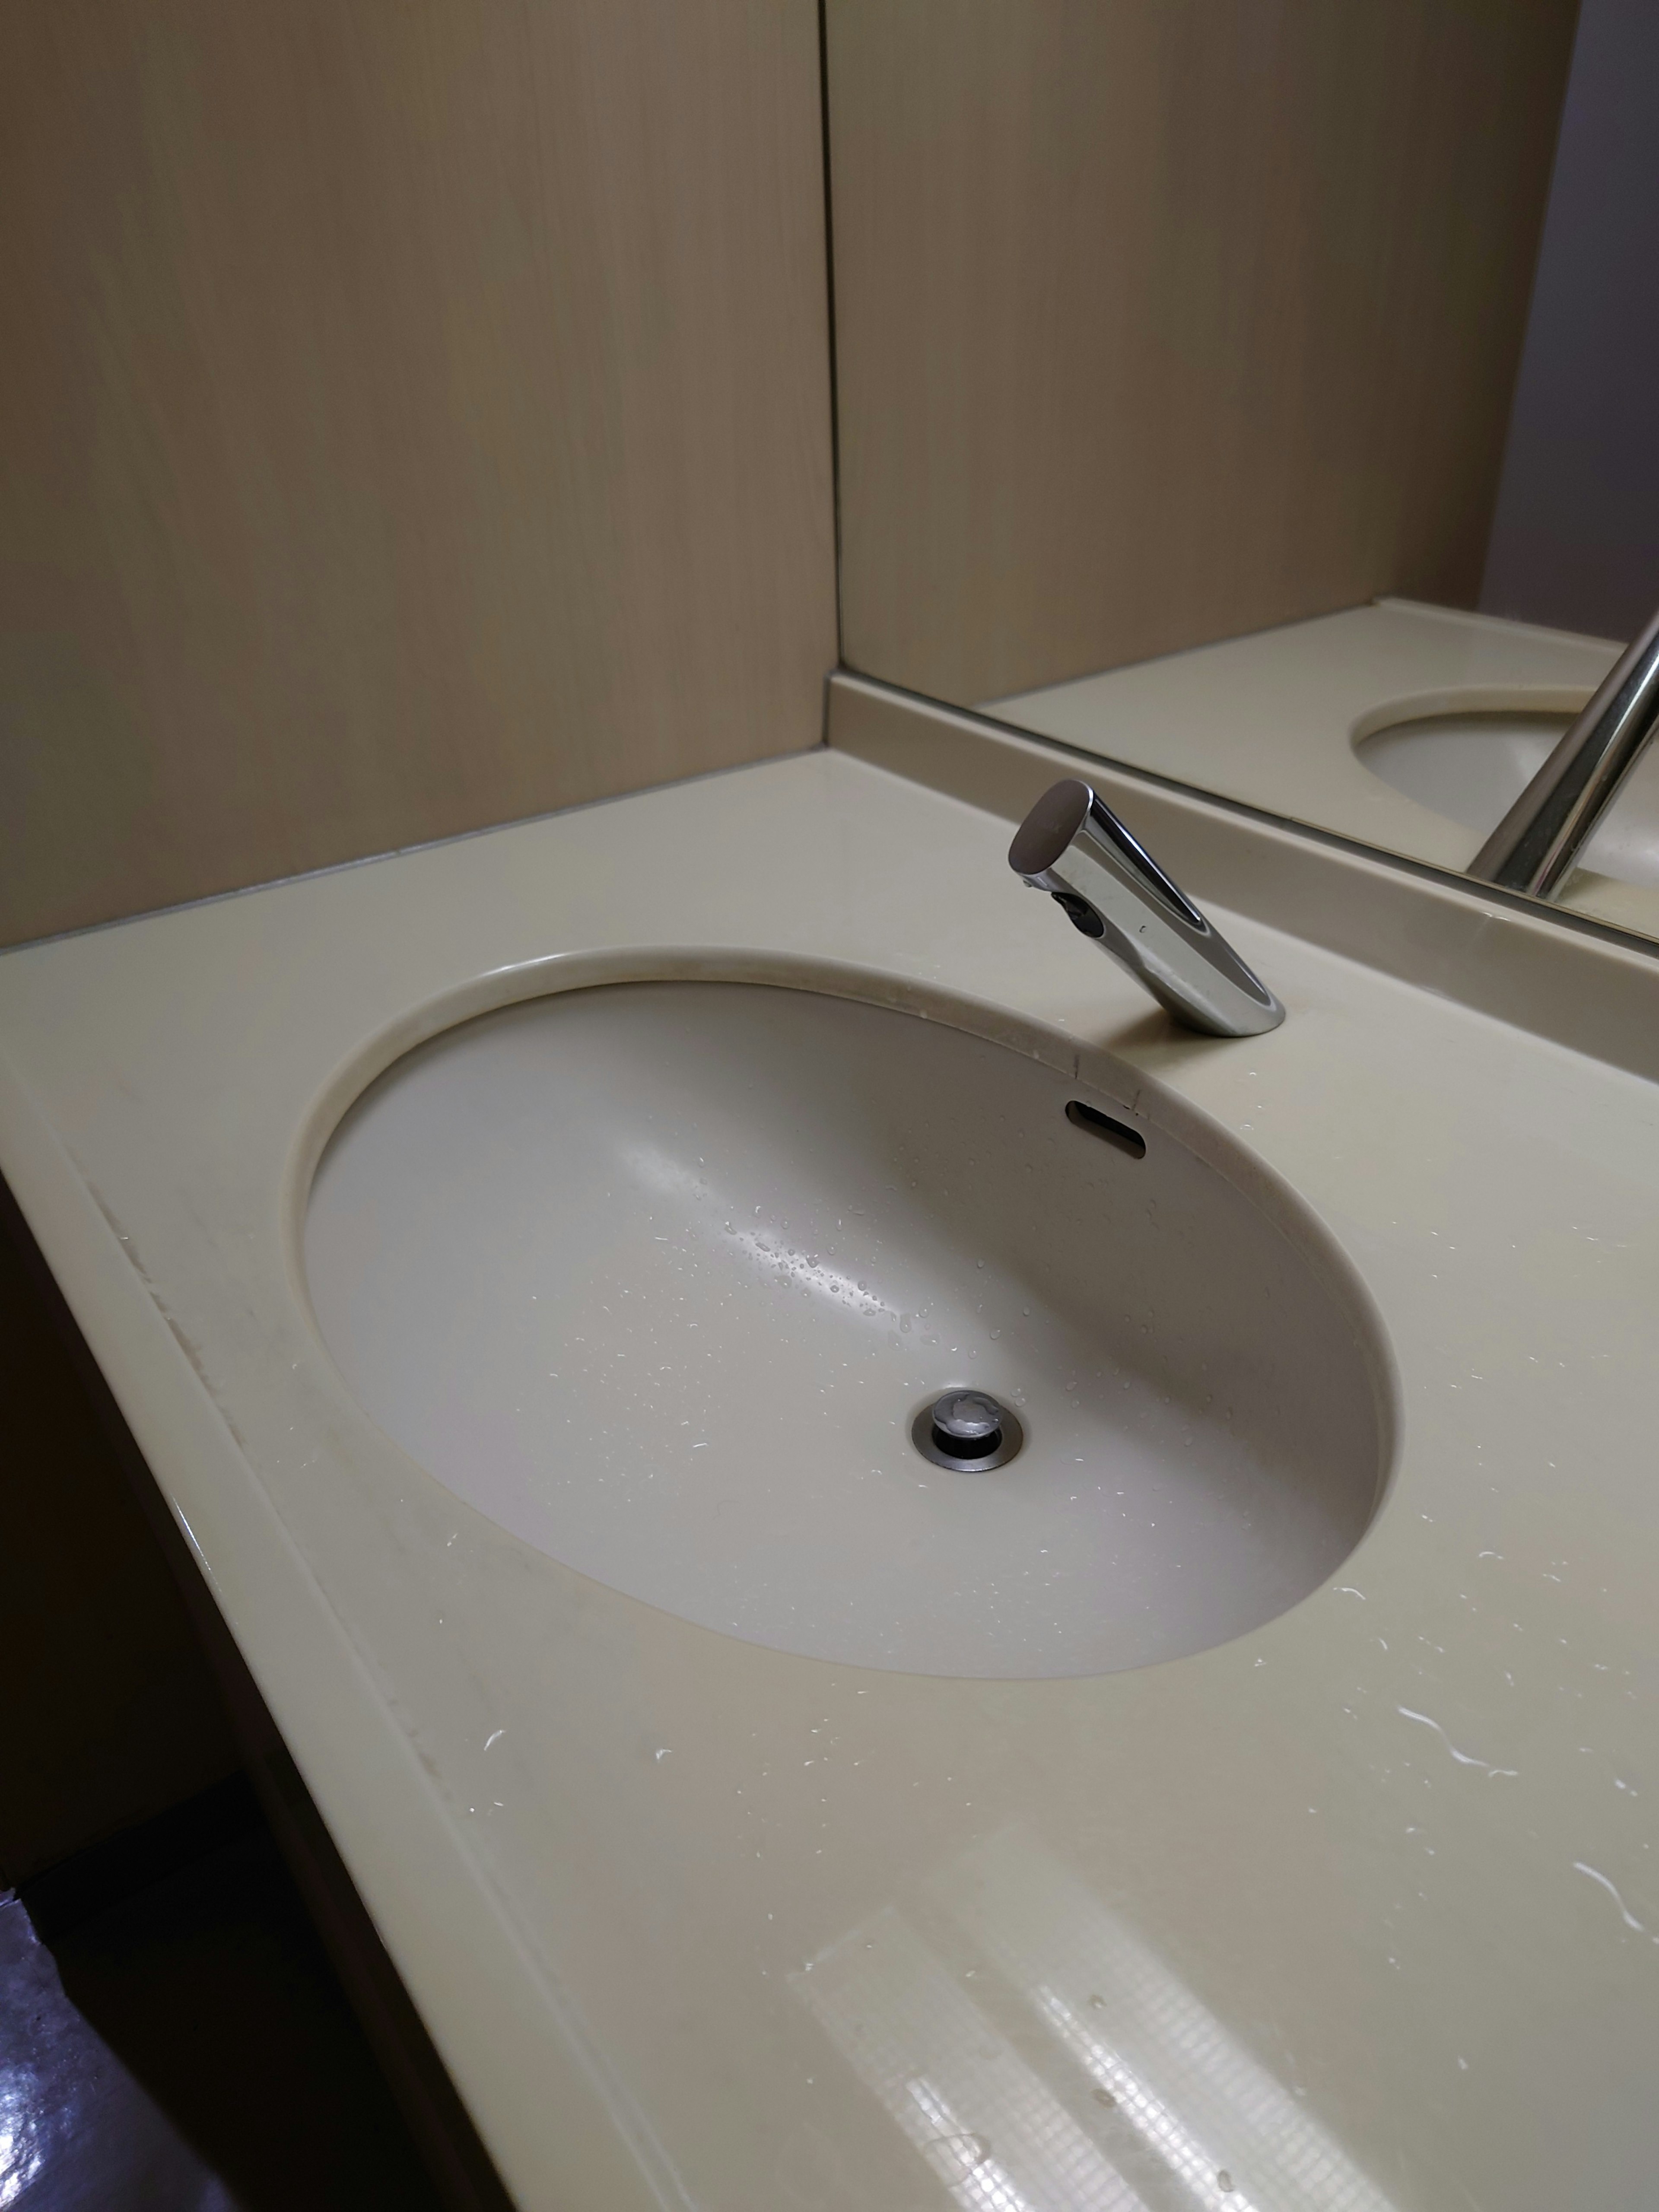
<point>657,1275</point>
<point>1471,767</point>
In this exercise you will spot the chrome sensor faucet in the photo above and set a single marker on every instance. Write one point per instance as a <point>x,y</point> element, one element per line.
<point>1074,847</point>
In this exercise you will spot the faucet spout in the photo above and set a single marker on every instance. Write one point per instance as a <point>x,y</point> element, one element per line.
<point>1537,844</point>
<point>1074,847</point>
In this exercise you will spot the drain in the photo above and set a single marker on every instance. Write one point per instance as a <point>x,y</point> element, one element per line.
<point>969,1430</point>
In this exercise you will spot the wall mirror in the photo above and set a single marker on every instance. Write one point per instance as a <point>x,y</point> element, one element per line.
<point>1251,392</point>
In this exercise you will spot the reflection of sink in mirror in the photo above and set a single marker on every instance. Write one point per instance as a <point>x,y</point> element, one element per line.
<point>657,1276</point>
<point>1272,719</point>
<point>1471,767</point>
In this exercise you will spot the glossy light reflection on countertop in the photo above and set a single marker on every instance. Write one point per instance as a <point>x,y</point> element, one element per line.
<point>1138,2094</point>
<point>1367,1897</point>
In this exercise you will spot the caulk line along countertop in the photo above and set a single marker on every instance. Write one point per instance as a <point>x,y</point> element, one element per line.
<point>1359,1910</point>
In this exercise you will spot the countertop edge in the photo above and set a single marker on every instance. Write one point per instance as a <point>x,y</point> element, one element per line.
<point>358,1764</point>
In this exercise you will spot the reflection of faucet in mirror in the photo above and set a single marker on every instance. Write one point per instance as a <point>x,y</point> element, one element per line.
<point>1537,844</point>
<point>1074,847</point>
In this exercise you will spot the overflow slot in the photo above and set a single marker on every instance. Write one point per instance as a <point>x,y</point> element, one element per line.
<point>1101,1125</point>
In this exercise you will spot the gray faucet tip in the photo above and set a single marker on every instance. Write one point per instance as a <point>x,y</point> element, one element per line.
<point>1049,827</point>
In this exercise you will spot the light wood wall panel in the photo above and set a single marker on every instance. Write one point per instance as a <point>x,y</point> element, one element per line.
<point>413,415</point>
<point>1162,320</point>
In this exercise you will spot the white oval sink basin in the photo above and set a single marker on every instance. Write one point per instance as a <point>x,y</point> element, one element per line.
<point>657,1276</point>
<point>1473,766</point>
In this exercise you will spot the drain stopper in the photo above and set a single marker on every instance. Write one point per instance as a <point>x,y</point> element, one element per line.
<point>967,1423</point>
<point>968,1430</point>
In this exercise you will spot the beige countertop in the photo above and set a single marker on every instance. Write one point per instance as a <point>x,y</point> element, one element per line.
<point>1365,1902</point>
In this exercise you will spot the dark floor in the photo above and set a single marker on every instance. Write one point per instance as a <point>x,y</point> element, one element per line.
<point>182,2046</point>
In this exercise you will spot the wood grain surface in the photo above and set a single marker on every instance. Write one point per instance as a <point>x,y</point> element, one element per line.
<point>1162,320</point>
<point>415,415</point>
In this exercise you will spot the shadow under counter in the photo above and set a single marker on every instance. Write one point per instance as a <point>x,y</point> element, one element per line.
<point>173,2038</point>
